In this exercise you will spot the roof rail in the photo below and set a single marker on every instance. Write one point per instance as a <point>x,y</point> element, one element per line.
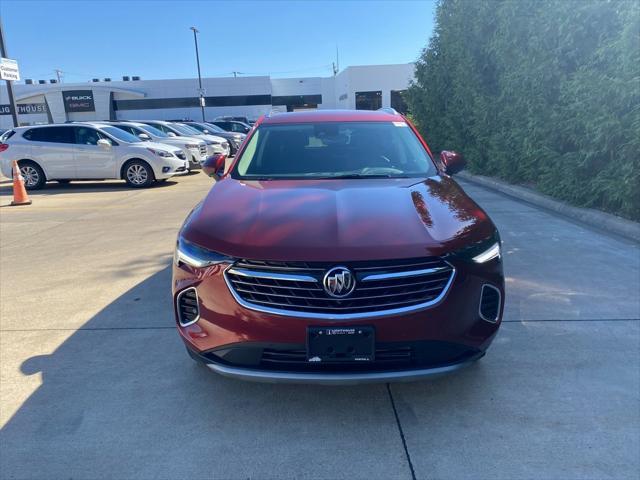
<point>390,110</point>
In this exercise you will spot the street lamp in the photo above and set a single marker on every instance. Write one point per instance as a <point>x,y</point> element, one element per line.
<point>12,100</point>
<point>200,91</point>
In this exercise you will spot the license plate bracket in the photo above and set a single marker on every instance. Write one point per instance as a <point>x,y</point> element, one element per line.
<point>340,344</point>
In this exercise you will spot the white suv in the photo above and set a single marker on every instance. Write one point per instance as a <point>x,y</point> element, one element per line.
<point>83,151</point>
<point>215,145</point>
<point>194,148</point>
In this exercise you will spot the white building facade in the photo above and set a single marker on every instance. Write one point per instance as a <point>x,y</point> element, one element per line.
<point>362,87</point>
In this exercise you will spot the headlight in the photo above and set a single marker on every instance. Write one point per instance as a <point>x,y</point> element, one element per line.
<point>489,254</point>
<point>160,153</point>
<point>481,251</point>
<point>198,257</point>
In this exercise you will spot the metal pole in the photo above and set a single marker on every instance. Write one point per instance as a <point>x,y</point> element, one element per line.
<point>12,101</point>
<point>195,39</point>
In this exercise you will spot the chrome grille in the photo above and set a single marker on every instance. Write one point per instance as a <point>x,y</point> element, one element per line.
<point>382,287</point>
<point>203,149</point>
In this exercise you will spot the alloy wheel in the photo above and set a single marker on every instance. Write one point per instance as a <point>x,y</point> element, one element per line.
<point>30,175</point>
<point>137,174</point>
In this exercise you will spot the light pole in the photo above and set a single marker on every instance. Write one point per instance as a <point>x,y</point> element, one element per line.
<point>12,100</point>
<point>200,91</point>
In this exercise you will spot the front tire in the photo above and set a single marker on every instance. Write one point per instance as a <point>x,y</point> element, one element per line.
<point>33,175</point>
<point>138,174</point>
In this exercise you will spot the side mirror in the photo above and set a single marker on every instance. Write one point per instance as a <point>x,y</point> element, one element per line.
<point>214,166</point>
<point>144,137</point>
<point>104,143</point>
<point>452,162</point>
<point>171,134</point>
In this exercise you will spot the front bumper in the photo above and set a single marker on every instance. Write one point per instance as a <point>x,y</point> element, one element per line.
<point>171,168</point>
<point>350,378</point>
<point>444,337</point>
<point>218,149</point>
<point>196,158</point>
<point>268,363</point>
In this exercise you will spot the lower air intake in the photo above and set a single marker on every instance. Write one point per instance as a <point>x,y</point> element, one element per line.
<point>187,306</point>
<point>490,303</point>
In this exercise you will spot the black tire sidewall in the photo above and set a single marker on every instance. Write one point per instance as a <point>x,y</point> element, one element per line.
<point>150,176</point>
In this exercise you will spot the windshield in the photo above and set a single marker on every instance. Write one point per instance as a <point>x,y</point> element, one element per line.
<point>121,134</point>
<point>197,126</point>
<point>334,150</point>
<point>214,128</point>
<point>153,131</point>
<point>186,130</point>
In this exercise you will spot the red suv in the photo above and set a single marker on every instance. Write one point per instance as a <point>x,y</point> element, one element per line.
<point>337,250</point>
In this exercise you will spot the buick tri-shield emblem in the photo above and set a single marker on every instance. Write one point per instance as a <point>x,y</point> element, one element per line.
<point>339,282</point>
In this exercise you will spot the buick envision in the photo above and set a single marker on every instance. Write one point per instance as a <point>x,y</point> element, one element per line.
<point>218,144</point>
<point>84,151</point>
<point>234,139</point>
<point>336,249</point>
<point>215,145</point>
<point>232,126</point>
<point>193,148</point>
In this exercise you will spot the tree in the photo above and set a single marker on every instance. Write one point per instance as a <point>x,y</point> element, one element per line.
<point>544,93</point>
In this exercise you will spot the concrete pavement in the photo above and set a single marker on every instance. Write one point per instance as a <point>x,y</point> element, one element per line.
<point>94,382</point>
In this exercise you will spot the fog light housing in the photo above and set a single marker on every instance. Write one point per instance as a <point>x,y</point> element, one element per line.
<point>188,307</point>
<point>490,300</point>
<point>165,169</point>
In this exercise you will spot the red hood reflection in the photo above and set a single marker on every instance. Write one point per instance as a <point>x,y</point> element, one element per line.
<point>337,220</point>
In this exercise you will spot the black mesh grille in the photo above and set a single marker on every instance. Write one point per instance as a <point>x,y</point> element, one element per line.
<point>385,358</point>
<point>490,303</point>
<point>418,281</point>
<point>188,309</point>
<point>181,155</point>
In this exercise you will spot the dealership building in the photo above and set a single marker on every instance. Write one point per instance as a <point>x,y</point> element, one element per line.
<point>367,87</point>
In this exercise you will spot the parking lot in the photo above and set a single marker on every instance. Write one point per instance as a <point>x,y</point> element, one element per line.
<point>97,384</point>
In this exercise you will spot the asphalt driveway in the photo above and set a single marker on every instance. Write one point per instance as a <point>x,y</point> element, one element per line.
<point>94,382</point>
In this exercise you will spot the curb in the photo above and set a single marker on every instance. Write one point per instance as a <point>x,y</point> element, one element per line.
<point>593,218</point>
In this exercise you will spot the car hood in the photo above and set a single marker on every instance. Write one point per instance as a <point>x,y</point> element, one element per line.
<point>183,139</point>
<point>236,136</point>
<point>211,138</point>
<point>337,220</point>
<point>157,146</point>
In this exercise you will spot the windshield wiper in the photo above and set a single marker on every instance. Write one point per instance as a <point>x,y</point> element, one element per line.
<point>365,175</point>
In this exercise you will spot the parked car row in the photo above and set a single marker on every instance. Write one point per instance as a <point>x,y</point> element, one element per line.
<point>139,152</point>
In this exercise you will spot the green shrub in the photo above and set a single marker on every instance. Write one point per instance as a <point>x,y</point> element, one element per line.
<point>539,92</point>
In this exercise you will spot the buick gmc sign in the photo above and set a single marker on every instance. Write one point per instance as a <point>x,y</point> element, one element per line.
<point>78,101</point>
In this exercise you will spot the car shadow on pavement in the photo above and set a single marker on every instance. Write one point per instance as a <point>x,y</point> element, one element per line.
<point>79,186</point>
<point>120,398</point>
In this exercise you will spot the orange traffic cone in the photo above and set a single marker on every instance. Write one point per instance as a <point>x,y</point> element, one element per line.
<point>20,196</point>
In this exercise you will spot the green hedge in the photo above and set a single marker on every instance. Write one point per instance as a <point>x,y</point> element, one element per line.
<point>538,92</point>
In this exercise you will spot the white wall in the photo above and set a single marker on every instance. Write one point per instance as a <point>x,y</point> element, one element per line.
<point>337,92</point>
<point>377,77</point>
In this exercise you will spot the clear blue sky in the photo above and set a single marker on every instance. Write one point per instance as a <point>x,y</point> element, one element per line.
<point>152,39</point>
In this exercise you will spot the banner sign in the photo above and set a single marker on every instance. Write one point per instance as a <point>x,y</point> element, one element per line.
<point>78,101</point>
<point>9,69</point>
<point>24,108</point>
